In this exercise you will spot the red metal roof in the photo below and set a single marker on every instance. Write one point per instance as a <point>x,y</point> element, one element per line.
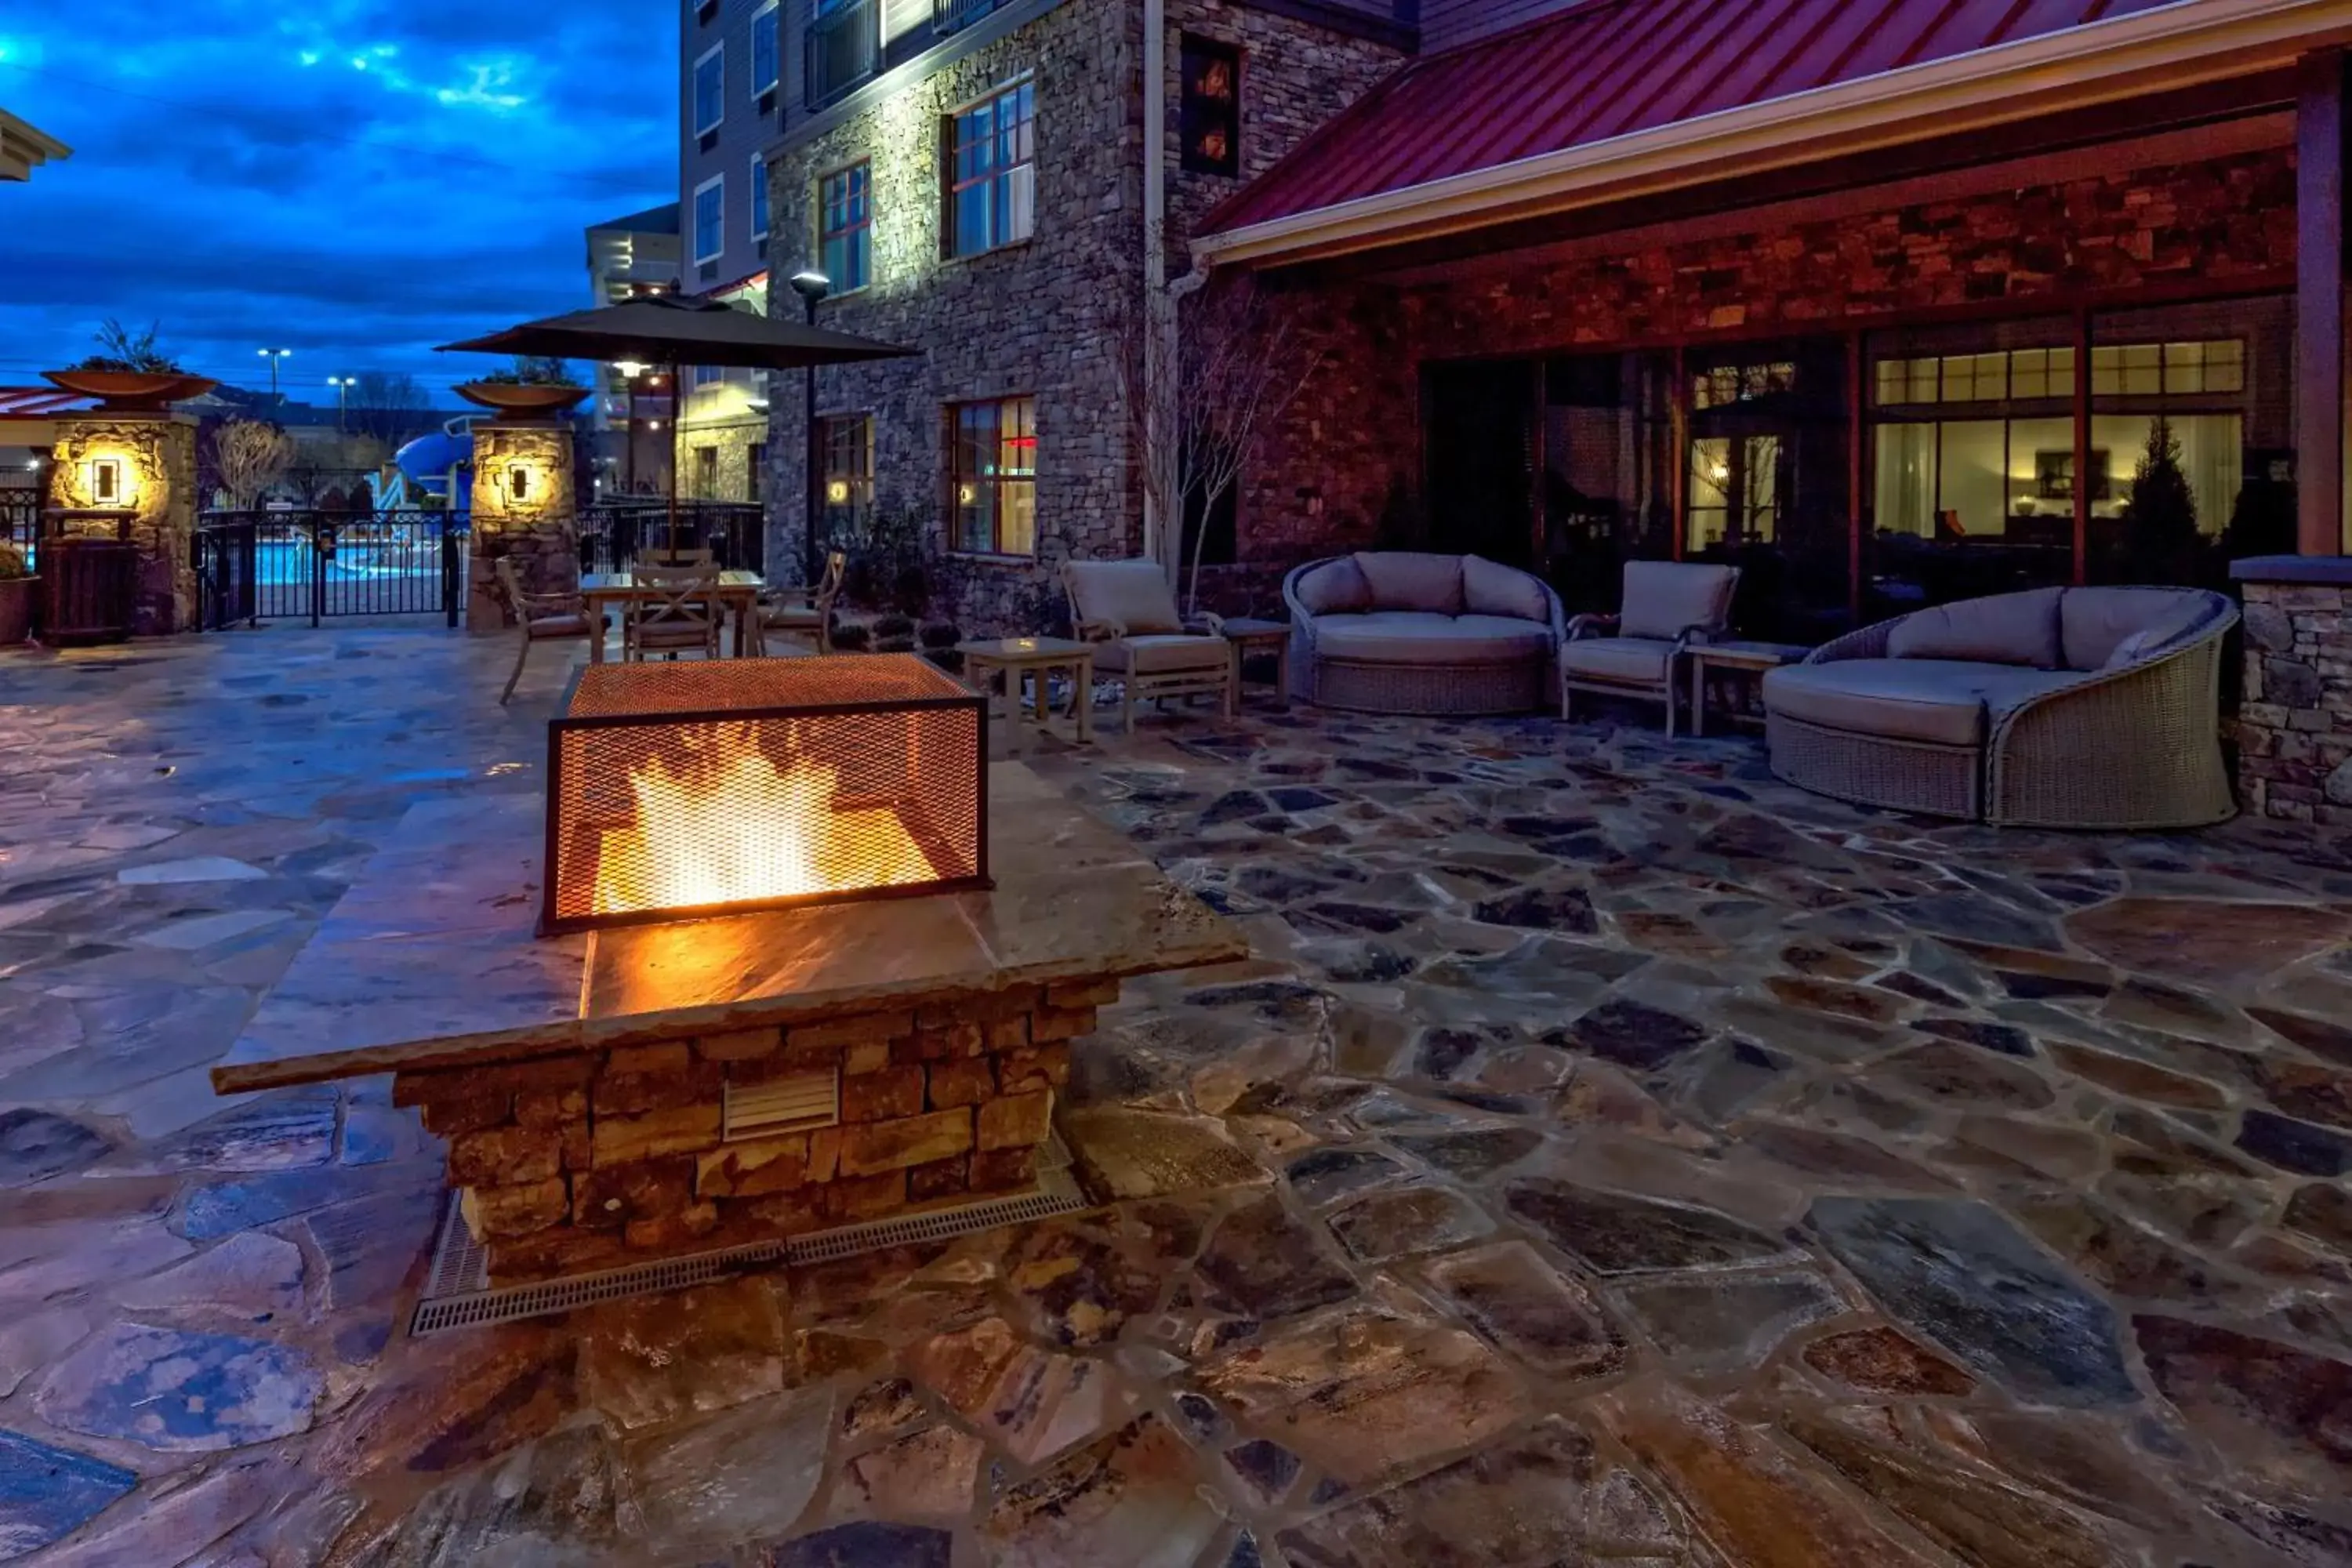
<point>29,402</point>
<point>1609,68</point>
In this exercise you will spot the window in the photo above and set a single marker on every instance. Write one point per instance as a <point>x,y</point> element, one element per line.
<point>845,470</point>
<point>710,90</point>
<point>993,474</point>
<point>766,54</point>
<point>706,473</point>
<point>709,376</point>
<point>759,470</point>
<point>710,219</point>
<point>1209,109</point>
<point>992,197</point>
<point>759,198</point>
<point>845,223</point>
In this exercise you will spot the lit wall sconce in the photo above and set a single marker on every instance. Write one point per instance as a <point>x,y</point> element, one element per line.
<point>838,493</point>
<point>964,495</point>
<point>518,481</point>
<point>108,485</point>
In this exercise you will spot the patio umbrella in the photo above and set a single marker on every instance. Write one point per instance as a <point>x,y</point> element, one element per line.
<point>670,331</point>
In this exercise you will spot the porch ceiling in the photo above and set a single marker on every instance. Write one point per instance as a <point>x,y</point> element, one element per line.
<point>1619,97</point>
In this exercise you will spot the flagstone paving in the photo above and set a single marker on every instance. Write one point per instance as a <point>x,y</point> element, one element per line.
<point>1610,1155</point>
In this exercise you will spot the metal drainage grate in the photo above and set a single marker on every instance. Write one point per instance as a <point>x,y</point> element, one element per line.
<point>458,1295</point>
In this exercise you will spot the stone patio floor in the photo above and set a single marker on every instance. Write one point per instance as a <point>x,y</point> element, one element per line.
<point>1611,1157</point>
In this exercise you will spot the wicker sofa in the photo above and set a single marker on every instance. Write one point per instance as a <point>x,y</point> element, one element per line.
<point>2057,708</point>
<point>1407,632</point>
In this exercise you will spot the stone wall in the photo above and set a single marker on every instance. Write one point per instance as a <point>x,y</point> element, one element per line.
<point>1046,317</point>
<point>534,528</point>
<point>158,455</point>
<point>604,1158</point>
<point>735,440</point>
<point>1323,476</point>
<point>2294,727</point>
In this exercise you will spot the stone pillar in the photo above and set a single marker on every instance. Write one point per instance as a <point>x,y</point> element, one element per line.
<point>2294,727</point>
<point>523,507</point>
<point>149,463</point>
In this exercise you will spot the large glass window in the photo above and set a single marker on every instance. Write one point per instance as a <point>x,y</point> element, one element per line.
<point>759,198</point>
<point>767,58</point>
<point>844,227</point>
<point>1766,483</point>
<point>710,219</point>
<point>710,90</point>
<point>992,476</point>
<point>1608,465</point>
<point>845,442</point>
<point>992,196</point>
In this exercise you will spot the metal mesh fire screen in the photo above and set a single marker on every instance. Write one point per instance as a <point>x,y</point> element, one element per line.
<point>679,790</point>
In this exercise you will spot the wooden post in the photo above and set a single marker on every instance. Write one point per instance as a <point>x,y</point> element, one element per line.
<point>1857,405</point>
<point>2319,304</point>
<point>1678,439</point>
<point>2081,447</point>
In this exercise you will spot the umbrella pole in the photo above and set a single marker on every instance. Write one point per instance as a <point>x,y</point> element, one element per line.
<point>677,403</point>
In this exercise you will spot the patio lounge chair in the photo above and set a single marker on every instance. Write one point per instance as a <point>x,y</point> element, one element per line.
<point>538,618</point>
<point>1667,606</point>
<point>1407,632</point>
<point>801,612</point>
<point>1129,609</point>
<point>2053,708</point>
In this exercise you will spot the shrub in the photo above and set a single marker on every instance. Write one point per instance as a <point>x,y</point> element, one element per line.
<point>893,627</point>
<point>12,563</point>
<point>851,639</point>
<point>941,634</point>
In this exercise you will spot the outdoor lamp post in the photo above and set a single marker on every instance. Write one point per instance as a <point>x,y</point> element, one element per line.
<point>813,287</point>
<point>273,356</point>
<point>630,370</point>
<point>343,385</point>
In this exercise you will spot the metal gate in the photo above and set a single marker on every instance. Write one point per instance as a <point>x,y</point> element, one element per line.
<point>319,565</point>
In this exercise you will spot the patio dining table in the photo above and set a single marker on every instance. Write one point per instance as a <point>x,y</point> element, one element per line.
<point>738,595</point>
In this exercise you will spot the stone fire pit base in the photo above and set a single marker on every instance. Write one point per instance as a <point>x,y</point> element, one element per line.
<point>580,1163</point>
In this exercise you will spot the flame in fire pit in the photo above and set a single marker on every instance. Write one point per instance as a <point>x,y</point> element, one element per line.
<point>724,824</point>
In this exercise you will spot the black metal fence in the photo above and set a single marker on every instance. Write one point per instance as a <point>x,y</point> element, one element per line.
<point>20,518</point>
<point>613,534</point>
<point>319,565</point>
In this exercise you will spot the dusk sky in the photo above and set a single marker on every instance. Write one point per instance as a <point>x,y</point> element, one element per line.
<point>355,180</point>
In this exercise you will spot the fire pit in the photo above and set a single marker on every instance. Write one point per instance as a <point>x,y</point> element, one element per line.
<point>683,790</point>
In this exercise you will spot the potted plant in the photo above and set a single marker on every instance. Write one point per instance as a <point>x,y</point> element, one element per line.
<point>530,388</point>
<point>17,585</point>
<point>130,374</point>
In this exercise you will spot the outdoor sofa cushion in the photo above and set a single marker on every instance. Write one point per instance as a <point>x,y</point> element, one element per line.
<point>1633,662</point>
<point>1162,655</point>
<point>1490,588</point>
<point>1945,702</point>
<point>1418,636</point>
<point>558,625</point>
<point>2019,629</point>
<point>1336,586</point>
<point>1133,593</point>
<point>1411,580</point>
<point>1666,598</point>
<point>2105,628</point>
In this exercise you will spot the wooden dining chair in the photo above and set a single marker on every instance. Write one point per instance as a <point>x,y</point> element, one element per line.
<point>538,618</point>
<point>676,610</point>
<point>697,555</point>
<point>801,612</point>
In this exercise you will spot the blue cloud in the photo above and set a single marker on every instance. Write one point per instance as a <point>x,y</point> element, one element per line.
<point>357,180</point>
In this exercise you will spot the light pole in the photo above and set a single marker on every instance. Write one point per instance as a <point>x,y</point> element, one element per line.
<point>630,370</point>
<point>813,287</point>
<point>273,356</point>
<point>343,385</point>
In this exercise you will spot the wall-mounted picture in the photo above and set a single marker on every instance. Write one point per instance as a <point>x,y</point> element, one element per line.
<point>2053,476</point>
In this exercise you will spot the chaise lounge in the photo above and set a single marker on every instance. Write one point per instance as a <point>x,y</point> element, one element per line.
<point>2056,708</point>
<point>1404,632</point>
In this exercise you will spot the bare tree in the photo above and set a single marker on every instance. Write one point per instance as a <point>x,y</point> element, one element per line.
<point>249,457</point>
<point>1233,370</point>
<point>385,405</point>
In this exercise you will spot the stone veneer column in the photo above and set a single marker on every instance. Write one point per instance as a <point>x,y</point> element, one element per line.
<point>2294,728</point>
<point>523,507</point>
<point>158,457</point>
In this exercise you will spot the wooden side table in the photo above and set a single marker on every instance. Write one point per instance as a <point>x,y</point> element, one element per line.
<point>1753,657</point>
<point>1249,636</point>
<point>1015,657</point>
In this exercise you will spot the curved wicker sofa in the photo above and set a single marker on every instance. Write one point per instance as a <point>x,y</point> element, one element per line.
<point>2095,708</point>
<point>1403,632</point>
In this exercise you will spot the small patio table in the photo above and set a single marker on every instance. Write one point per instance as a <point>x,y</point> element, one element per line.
<point>1249,636</point>
<point>1753,657</point>
<point>1013,657</point>
<point>738,595</point>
